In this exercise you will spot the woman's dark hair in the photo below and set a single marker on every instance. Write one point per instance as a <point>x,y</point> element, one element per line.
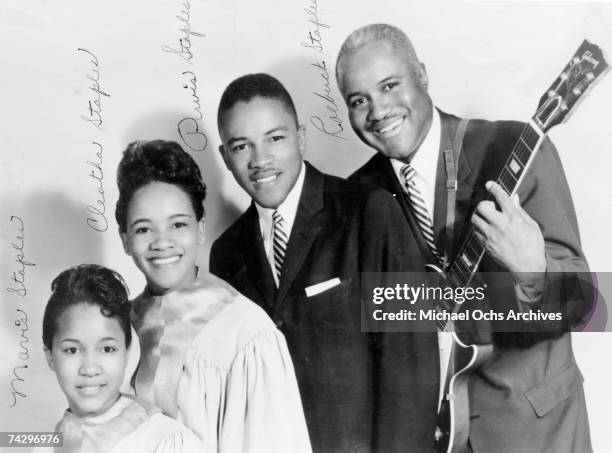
<point>144,162</point>
<point>87,284</point>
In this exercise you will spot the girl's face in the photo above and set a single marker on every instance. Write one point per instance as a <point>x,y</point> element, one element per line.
<point>162,235</point>
<point>89,357</point>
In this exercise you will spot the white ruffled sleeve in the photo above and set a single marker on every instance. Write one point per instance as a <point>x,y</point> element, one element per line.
<point>180,441</point>
<point>263,409</point>
<point>238,389</point>
<point>201,397</point>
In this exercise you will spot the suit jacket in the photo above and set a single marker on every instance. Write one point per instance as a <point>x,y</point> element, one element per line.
<point>360,391</point>
<point>529,397</point>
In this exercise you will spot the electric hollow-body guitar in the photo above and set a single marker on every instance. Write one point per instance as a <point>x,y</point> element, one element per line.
<point>453,425</point>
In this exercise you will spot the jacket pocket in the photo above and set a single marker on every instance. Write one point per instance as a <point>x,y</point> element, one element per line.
<point>333,310</point>
<point>558,387</point>
<point>336,288</point>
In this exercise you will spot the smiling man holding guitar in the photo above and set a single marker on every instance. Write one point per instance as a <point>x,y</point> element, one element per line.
<point>526,395</point>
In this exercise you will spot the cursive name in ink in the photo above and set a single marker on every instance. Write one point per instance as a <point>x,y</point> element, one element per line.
<point>189,128</point>
<point>313,38</point>
<point>96,217</point>
<point>192,86</point>
<point>192,137</point>
<point>17,390</point>
<point>97,212</point>
<point>336,127</point>
<point>94,111</point>
<point>22,323</point>
<point>184,50</point>
<point>330,122</point>
<point>17,378</point>
<point>18,279</point>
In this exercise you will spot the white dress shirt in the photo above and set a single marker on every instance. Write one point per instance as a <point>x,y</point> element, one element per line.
<point>287,209</point>
<point>424,161</point>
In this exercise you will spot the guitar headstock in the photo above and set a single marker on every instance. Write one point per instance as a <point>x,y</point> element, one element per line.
<point>587,64</point>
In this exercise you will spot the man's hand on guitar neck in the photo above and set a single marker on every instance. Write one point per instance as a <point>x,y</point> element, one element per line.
<point>513,239</point>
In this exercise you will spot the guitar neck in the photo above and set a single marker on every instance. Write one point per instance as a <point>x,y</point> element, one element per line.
<point>556,104</point>
<point>468,257</point>
<point>585,66</point>
<point>467,260</point>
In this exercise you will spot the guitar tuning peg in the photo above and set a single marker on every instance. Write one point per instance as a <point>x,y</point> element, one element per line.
<point>590,76</point>
<point>576,91</point>
<point>564,106</point>
<point>563,76</point>
<point>551,93</point>
<point>575,60</point>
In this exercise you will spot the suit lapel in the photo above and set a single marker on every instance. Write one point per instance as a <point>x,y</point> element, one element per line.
<point>390,182</point>
<point>255,259</point>
<point>305,229</point>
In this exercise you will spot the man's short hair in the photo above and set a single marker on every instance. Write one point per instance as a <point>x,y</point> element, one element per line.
<point>249,86</point>
<point>371,33</point>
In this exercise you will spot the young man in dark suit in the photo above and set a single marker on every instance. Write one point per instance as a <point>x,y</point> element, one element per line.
<point>529,396</point>
<point>299,251</point>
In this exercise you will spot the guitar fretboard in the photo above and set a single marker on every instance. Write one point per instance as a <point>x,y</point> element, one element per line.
<point>465,265</point>
<point>466,262</point>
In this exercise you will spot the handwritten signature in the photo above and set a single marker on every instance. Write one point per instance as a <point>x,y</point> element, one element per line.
<point>330,124</point>
<point>192,86</point>
<point>24,354</point>
<point>315,41</point>
<point>330,105</point>
<point>185,41</point>
<point>18,279</point>
<point>18,287</point>
<point>190,134</point>
<point>97,220</point>
<point>189,127</point>
<point>94,115</point>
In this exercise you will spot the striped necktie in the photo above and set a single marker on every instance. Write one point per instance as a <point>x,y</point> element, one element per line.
<point>418,208</point>
<point>279,241</point>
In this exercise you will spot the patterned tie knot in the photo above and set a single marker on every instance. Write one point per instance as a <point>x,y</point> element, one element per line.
<point>278,218</point>
<point>408,173</point>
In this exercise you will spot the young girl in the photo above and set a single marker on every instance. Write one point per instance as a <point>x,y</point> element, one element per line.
<point>86,334</point>
<point>210,358</point>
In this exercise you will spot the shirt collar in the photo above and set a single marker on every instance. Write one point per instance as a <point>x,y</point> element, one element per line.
<point>123,401</point>
<point>287,209</point>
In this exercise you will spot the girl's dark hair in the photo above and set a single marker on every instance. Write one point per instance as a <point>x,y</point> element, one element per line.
<point>87,284</point>
<point>144,162</point>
